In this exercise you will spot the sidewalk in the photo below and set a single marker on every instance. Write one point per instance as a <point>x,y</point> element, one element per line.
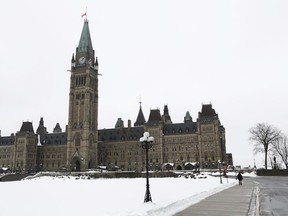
<point>232,201</point>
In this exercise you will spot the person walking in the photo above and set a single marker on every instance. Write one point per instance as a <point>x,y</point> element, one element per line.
<point>240,178</point>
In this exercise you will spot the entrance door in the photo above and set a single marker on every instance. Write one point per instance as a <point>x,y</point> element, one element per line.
<point>78,166</point>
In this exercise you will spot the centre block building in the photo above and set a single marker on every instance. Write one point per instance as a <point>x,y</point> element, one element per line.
<point>82,146</point>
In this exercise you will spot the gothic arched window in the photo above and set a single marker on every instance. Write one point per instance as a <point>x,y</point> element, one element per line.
<point>77,140</point>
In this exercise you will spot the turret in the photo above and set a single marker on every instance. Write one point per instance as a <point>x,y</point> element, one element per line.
<point>96,64</point>
<point>73,62</point>
<point>140,121</point>
<point>166,117</point>
<point>187,117</point>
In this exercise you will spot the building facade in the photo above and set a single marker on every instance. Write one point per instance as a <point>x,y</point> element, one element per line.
<point>82,146</point>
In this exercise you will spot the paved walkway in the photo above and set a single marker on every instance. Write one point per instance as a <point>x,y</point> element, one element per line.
<point>238,200</point>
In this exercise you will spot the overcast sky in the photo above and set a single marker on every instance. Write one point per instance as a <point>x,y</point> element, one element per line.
<point>232,54</point>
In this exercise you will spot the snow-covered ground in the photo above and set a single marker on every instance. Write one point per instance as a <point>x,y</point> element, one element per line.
<point>47,196</point>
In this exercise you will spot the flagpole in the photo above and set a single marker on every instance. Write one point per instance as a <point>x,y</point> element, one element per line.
<point>86,14</point>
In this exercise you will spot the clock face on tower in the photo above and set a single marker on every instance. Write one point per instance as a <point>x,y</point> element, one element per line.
<point>82,60</point>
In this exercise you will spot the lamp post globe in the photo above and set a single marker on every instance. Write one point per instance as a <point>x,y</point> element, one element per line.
<point>146,143</point>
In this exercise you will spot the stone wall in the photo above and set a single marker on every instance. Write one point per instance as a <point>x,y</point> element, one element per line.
<point>274,172</point>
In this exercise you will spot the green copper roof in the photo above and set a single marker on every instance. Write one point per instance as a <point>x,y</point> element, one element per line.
<point>85,43</point>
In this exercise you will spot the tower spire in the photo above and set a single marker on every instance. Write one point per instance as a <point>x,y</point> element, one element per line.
<point>85,43</point>
<point>140,118</point>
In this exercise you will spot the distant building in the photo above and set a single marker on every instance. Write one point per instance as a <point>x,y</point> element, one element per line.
<point>229,159</point>
<point>82,146</point>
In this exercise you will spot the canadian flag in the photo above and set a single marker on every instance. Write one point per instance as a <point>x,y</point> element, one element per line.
<point>83,15</point>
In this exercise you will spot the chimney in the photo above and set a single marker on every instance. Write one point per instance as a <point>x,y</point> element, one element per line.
<point>129,123</point>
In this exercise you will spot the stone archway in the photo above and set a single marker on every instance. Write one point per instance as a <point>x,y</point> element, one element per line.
<point>75,165</point>
<point>189,166</point>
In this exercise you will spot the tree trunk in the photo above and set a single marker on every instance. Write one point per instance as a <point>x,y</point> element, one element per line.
<point>266,150</point>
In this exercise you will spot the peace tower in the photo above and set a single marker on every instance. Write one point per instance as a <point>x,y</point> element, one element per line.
<point>83,106</point>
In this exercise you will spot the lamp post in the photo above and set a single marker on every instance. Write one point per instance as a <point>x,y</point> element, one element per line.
<point>146,142</point>
<point>219,164</point>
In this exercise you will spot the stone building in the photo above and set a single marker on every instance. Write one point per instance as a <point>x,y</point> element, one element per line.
<point>187,145</point>
<point>180,146</point>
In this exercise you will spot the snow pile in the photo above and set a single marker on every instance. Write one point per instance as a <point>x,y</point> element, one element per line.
<point>55,196</point>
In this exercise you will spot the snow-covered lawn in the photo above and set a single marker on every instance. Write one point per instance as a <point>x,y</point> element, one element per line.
<point>54,196</point>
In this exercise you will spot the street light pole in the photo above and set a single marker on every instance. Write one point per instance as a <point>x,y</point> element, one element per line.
<point>146,142</point>
<point>219,164</point>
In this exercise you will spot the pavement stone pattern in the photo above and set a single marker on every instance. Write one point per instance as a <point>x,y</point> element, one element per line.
<point>234,201</point>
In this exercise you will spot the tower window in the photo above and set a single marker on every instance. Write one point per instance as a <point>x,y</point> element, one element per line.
<point>80,80</point>
<point>77,141</point>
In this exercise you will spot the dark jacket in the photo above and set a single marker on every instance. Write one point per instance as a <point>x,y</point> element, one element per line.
<point>239,177</point>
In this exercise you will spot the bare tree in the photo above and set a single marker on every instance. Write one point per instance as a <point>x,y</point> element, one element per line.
<point>264,136</point>
<point>281,148</point>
